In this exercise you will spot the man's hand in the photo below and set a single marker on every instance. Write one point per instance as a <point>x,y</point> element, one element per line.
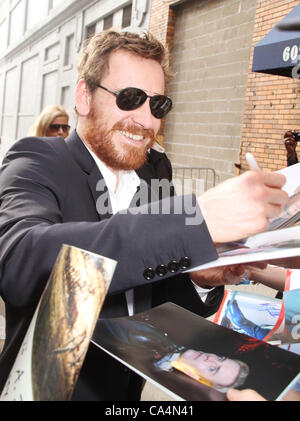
<point>290,146</point>
<point>290,142</point>
<point>244,395</point>
<point>223,275</point>
<point>241,206</point>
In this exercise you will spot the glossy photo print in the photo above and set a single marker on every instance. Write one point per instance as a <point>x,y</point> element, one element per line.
<point>192,358</point>
<point>54,348</point>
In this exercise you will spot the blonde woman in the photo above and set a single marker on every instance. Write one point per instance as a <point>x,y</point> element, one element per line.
<point>53,121</point>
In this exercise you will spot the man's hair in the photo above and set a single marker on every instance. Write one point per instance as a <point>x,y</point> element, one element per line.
<point>46,117</point>
<point>94,57</point>
<point>241,377</point>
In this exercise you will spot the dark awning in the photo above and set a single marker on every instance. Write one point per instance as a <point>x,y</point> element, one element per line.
<point>278,52</point>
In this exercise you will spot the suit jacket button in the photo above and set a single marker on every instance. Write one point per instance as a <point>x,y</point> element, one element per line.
<point>173,266</point>
<point>185,262</point>
<point>149,273</point>
<point>161,270</point>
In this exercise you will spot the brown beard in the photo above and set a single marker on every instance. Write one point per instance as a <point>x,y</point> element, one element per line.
<point>99,139</point>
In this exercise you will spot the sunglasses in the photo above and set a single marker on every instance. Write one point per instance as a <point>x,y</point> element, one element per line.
<point>129,99</point>
<point>56,127</point>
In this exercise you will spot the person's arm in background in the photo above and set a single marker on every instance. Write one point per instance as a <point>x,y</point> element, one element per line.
<point>272,276</point>
<point>290,146</point>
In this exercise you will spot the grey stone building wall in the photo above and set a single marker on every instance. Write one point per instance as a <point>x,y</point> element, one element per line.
<point>210,56</point>
<point>39,42</point>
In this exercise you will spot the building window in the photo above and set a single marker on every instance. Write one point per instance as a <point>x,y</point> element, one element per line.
<point>16,23</point>
<point>126,19</point>
<point>50,83</point>
<point>90,30</point>
<point>65,96</point>
<point>53,3</point>
<point>69,48</point>
<point>36,10</point>
<point>108,22</point>
<point>52,52</point>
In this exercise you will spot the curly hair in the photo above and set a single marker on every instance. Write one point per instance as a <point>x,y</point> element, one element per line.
<point>94,57</point>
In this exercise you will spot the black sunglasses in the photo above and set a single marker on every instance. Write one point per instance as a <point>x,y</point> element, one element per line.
<point>56,127</point>
<point>132,98</point>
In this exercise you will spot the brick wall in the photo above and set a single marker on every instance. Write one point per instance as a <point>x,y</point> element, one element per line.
<point>270,106</point>
<point>272,102</point>
<point>162,20</point>
<point>210,55</point>
<point>162,25</point>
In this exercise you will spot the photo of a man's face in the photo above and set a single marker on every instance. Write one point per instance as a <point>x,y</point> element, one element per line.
<point>217,370</point>
<point>193,358</point>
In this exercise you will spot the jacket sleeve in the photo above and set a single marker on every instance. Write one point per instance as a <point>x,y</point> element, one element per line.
<point>32,229</point>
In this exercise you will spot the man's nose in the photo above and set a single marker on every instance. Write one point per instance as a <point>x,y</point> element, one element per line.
<point>144,117</point>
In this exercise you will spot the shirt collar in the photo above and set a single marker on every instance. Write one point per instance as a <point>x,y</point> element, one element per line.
<point>125,177</point>
<point>157,147</point>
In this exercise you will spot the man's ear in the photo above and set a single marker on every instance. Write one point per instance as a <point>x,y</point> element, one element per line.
<point>83,98</point>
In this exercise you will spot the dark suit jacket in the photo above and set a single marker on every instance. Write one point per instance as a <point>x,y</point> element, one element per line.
<point>48,190</point>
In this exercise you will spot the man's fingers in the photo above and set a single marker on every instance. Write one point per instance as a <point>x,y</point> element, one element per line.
<point>274,180</point>
<point>273,211</point>
<point>243,205</point>
<point>289,133</point>
<point>244,395</point>
<point>259,265</point>
<point>276,200</point>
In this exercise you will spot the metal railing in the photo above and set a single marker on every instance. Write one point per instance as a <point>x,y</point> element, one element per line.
<point>193,179</point>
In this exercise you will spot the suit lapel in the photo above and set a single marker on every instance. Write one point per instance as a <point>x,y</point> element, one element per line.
<point>100,193</point>
<point>95,179</point>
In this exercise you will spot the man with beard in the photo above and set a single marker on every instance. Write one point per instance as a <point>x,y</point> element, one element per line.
<point>52,193</point>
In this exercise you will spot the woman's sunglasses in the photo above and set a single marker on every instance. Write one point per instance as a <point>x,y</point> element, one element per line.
<point>56,127</point>
<point>132,98</point>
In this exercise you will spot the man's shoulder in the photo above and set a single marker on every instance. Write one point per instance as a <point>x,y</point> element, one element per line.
<point>38,143</point>
<point>34,158</point>
<point>40,149</point>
